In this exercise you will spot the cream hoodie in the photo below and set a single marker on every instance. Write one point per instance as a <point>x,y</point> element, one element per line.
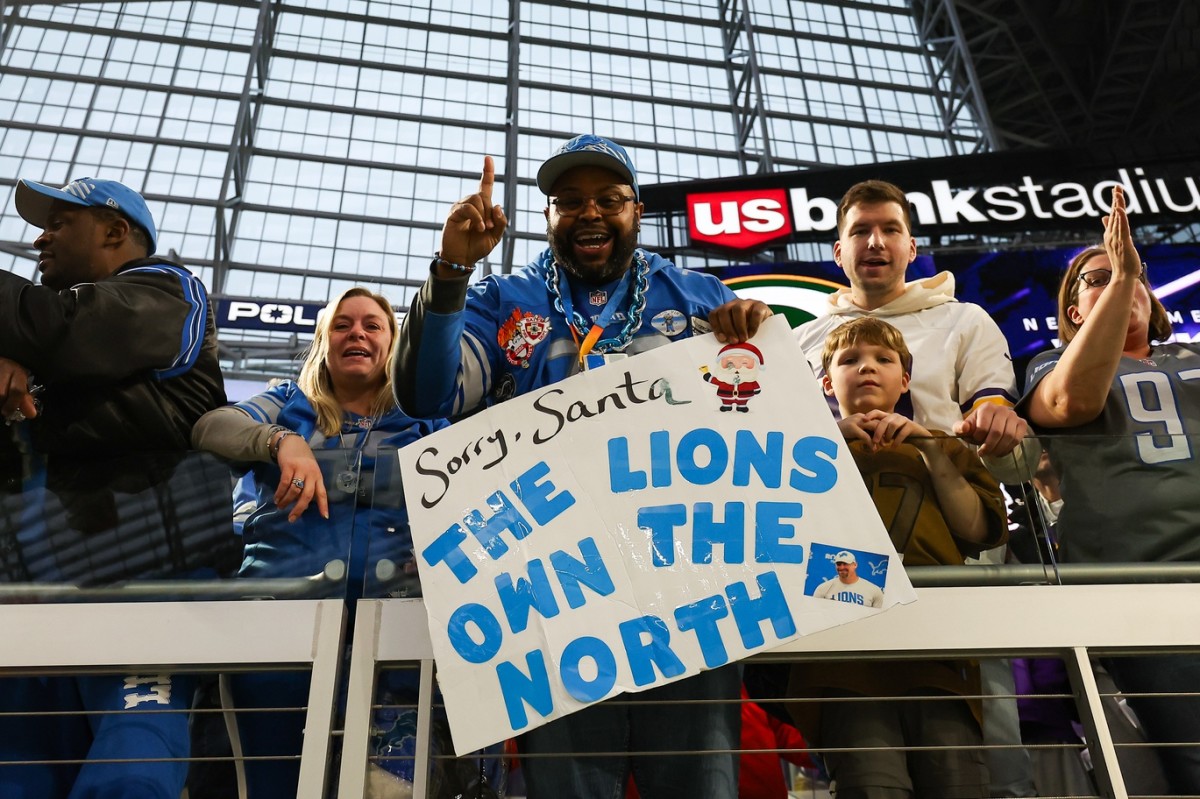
<point>960,357</point>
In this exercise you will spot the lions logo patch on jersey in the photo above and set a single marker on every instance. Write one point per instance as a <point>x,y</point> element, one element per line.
<point>520,334</point>
<point>669,322</point>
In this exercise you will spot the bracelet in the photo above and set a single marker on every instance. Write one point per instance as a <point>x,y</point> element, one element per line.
<point>273,447</point>
<point>465,269</point>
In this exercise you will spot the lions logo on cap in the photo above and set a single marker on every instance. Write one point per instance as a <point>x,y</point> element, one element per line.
<point>596,145</point>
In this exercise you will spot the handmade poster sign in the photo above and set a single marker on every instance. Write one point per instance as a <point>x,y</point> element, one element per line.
<point>634,525</point>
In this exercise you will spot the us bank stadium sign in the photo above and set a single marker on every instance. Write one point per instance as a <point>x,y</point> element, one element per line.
<point>996,194</point>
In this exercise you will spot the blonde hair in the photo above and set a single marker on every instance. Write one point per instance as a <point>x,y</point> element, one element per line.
<point>866,330</point>
<point>1068,295</point>
<point>315,380</point>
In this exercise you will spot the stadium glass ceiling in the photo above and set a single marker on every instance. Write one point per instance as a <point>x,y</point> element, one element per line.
<point>292,149</point>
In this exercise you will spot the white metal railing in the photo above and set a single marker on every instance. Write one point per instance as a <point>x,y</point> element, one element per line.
<point>1071,622</point>
<point>189,637</point>
<point>1074,612</point>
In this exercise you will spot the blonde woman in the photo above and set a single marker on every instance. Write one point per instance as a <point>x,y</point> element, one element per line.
<point>341,413</point>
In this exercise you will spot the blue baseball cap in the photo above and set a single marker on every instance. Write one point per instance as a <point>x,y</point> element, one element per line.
<point>588,150</point>
<point>35,199</point>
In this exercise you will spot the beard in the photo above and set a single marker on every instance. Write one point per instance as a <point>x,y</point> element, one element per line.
<point>617,264</point>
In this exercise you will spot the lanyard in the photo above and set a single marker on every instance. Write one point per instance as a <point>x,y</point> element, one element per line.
<point>601,322</point>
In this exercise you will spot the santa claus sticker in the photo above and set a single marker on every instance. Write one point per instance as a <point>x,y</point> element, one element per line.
<point>736,376</point>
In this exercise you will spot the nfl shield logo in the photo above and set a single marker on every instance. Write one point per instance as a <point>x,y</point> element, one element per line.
<point>598,297</point>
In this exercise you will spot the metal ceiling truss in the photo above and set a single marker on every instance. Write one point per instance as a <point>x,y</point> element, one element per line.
<point>948,59</point>
<point>1067,73</point>
<point>740,61</point>
<point>745,88</point>
<point>237,166</point>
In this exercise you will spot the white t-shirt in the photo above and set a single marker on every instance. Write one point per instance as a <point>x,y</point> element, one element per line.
<point>860,592</point>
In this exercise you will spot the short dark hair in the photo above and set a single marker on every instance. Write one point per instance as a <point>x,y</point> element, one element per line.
<point>108,215</point>
<point>872,192</point>
<point>866,330</point>
<point>1068,295</point>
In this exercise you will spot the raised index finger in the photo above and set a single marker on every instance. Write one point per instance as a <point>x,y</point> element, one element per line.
<point>487,180</point>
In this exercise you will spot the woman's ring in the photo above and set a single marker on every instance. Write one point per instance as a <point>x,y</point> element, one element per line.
<point>298,483</point>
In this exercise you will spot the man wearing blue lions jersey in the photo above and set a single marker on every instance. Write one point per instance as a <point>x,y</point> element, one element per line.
<point>848,586</point>
<point>593,296</point>
<point>123,348</point>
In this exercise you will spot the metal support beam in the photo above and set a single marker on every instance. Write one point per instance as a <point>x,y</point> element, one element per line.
<point>237,165</point>
<point>512,130</point>
<point>752,131</point>
<point>952,74</point>
<point>8,21</point>
<point>1091,715</point>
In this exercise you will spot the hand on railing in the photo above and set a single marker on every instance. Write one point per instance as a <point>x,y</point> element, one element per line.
<point>995,428</point>
<point>300,480</point>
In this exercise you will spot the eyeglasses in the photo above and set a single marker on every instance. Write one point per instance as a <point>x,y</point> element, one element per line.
<point>606,204</point>
<point>1099,278</point>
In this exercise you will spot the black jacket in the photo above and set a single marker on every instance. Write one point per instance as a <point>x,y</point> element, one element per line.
<point>128,363</point>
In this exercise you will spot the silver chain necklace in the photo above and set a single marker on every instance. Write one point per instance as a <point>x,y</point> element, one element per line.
<point>633,320</point>
<point>347,480</point>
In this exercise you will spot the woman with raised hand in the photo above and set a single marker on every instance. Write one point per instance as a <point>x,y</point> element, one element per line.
<point>1120,411</point>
